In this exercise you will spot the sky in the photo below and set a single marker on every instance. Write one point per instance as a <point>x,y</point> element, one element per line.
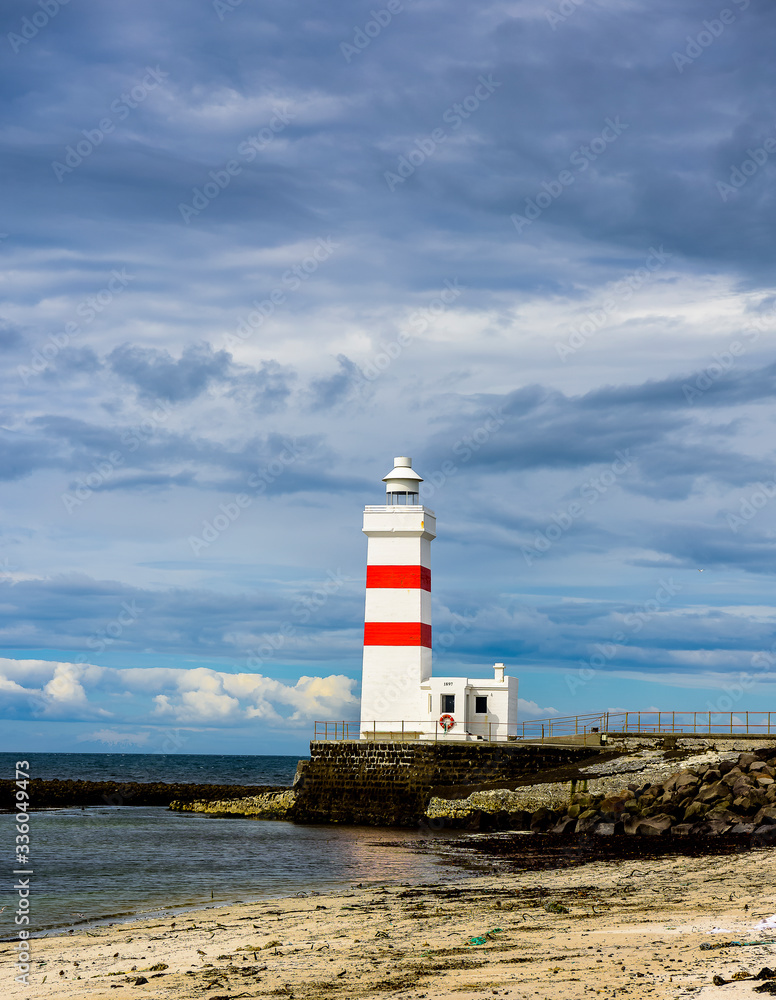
<point>254,251</point>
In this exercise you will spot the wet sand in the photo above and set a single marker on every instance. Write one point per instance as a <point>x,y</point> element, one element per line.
<point>631,928</point>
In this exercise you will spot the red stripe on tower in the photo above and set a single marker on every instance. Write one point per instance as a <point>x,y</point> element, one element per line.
<point>397,634</point>
<point>409,577</point>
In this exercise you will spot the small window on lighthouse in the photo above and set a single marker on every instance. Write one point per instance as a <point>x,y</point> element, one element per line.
<point>480,706</point>
<point>448,703</point>
<point>430,704</point>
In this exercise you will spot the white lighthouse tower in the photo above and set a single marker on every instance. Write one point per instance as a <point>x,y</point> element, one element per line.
<point>397,620</point>
<point>399,696</point>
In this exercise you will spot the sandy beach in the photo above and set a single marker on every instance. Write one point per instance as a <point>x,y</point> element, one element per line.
<point>630,928</point>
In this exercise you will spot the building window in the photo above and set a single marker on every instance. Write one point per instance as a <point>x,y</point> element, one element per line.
<point>448,703</point>
<point>430,705</point>
<point>480,706</point>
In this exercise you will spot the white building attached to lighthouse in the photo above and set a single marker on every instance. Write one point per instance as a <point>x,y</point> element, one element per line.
<point>399,695</point>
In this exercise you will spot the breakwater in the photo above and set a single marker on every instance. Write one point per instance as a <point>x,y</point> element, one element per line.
<point>55,793</point>
<point>390,784</point>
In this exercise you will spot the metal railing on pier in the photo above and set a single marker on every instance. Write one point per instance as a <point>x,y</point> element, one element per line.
<point>729,724</point>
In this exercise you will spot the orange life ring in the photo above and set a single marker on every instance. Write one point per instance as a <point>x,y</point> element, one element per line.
<point>446,722</point>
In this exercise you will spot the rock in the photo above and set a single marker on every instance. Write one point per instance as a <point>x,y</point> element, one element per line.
<point>720,808</point>
<point>745,759</point>
<point>682,829</point>
<point>612,804</point>
<point>726,766</point>
<point>604,829</point>
<point>630,826</point>
<point>542,820</point>
<point>269,805</point>
<point>587,820</point>
<point>655,826</point>
<point>764,836</point>
<point>574,810</point>
<point>695,811</point>
<point>566,824</point>
<point>582,799</point>
<point>742,828</point>
<point>713,827</point>
<point>767,815</point>
<point>717,790</point>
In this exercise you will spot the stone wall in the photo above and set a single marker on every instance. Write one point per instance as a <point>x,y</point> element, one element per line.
<point>391,784</point>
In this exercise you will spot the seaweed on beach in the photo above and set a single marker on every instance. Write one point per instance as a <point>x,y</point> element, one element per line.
<point>541,852</point>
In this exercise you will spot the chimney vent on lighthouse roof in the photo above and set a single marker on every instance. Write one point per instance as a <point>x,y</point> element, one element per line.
<point>402,482</point>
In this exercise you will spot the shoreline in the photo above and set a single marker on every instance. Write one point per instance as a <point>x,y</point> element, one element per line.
<point>605,926</point>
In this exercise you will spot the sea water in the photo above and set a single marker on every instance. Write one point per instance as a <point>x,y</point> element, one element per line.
<point>112,862</point>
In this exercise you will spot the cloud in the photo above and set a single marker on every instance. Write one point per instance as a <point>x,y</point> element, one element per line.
<point>157,375</point>
<point>531,709</point>
<point>207,696</point>
<point>203,696</point>
<point>337,388</point>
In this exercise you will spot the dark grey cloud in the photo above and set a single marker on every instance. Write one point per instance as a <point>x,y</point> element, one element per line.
<point>652,423</point>
<point>157,375</point>
<point>341,387</point>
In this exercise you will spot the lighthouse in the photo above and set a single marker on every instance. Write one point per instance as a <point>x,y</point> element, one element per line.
<point>397,618</point>
<point>399,696</point>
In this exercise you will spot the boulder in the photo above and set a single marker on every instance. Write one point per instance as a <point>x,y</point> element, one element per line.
<point>745,759</point>
<point>766,815</point>
<point>612,804</point>
<point>587,821</point>
<point>712,827</point>
<point>742,828</point>
<point>630,825</point>
<point>566,824</point>
<point>716,790</point>
<point>744,805</point>
<point>604,829</point>
<point>582,799</point>
<point>656,826</point>
<point>682,829</point>
<point>695,811</point>
<point>542,820</point>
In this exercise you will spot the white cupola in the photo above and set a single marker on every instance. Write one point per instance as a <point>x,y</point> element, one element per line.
<point>402,483</point>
